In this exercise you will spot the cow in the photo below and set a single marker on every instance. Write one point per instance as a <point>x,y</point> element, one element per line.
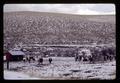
<point>91,59</point>
<point>109,53</point>
<point>28,58</point>
<point>24,59</point>
<point>32,58</point>
<point>80,55</point>
<point>96,53</point>
<point>50,60</point>
<point>76,57</point>
<point>40,60</point>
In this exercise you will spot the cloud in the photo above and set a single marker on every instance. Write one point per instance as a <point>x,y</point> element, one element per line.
<point>104,8</point>
<point>63,8</point>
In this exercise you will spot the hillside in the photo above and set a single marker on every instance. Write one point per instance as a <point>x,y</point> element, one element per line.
<point>53,28</point>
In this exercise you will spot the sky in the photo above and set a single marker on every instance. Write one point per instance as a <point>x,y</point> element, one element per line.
<point>81,9</point>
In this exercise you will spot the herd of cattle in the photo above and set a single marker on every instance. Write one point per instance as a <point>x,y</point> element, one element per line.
<point>86,54</point>
<point>96,54</point>
<point>39,59</point>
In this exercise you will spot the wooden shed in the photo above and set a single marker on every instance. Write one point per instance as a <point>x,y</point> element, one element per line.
<point>15,55</point>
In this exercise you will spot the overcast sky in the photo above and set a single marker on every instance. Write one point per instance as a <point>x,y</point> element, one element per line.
<point>63,8</point>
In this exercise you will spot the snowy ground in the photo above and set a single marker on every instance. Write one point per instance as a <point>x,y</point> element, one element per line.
<point>62,68</point>
<point>11,75</point>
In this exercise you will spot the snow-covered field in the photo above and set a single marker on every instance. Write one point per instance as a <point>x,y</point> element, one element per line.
<point>62,68</point>
<point>16,75</point>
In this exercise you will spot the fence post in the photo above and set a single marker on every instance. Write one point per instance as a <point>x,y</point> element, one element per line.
<point>8,64</point>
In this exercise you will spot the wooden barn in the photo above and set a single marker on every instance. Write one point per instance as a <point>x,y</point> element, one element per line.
<point>15,55</point>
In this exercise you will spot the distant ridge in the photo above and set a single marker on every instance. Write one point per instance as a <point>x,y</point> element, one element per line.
<point>56,28</point>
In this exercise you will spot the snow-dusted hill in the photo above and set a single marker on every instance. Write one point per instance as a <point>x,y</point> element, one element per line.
<point>54,28</point>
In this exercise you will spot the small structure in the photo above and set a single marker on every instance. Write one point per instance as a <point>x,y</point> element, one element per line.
<point>86,51</point>
<point>15,55</point>
<point>84,54</point>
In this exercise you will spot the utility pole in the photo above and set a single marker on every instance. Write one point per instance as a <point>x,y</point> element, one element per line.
<point>8,57</point>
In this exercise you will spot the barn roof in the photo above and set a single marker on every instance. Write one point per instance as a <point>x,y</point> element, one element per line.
<point>16,52</point>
